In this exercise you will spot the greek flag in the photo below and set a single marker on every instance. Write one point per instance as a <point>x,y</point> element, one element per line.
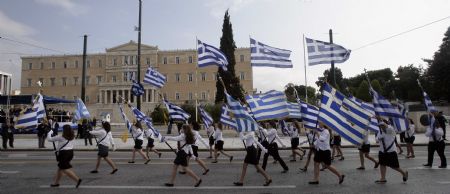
<point>368,107</point>
<point>383,107</point>
<point>266,56</point>
<point>140,116</point>
<point>39,106</point>
<point>401,124</point>
<point>175,112</point>
<point>239,114</point>
<point>27,119</point>
<point>137,89</point>
<point>209,55</point>
<point>323,52</point>
<point>267,106</point>
<point>309,114</point>
<point>124,117</point>
<point>226,119</point>
<point>81,112</point>
<point>428,103</point>
<point>206,118</point>
<point>343,116</point>
<point>155,78</point>
<point>294,110</point>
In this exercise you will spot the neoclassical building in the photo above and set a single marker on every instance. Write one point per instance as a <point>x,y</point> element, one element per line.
<point>108,76</point>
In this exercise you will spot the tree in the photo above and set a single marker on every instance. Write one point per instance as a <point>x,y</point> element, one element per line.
<point>289,91</point>
<point>363,92</point>
<point>232,83</point>
<point>406,83</point>
<point>384,76</point>
<point>329,77</point>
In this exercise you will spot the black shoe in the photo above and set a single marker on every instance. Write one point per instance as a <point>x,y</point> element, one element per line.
<point>54,185</point>
<point>405,178</point>
<point>427,165</point>
<point>442,166</point>
<point>78,183</point>
<point>380,181</point>
<point>376,165</point>
<point>303,169</point>
<point>198,183</point>
<point>168,184</point>
<point>341,179</point>
<point>231,158</point>
<point>114,171</point>
<point>238,184</point>
<point>182,172</point>
<point>94,171</point>
<point>313,182</point>
<point>210,157</point>
<point>206,172</point>
<point>267,183</point>
<point>342,158</point>
<point>130,162</point>
<point>214,161</point>
<point>361,168</point>
<point>159,155</point>
<point>293,160</point>
<point>146,162</point>
<point>284,171</point>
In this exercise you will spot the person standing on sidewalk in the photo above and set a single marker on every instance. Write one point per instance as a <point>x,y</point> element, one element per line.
<point>42,130</point>
<point>105,139</point>
<point>138,136</point>
<point>218,147</point>
<point>436,143</point>
<point>273,147</point>
<point>7,135</point>
<point>442,122</point>
<point>409,139</point>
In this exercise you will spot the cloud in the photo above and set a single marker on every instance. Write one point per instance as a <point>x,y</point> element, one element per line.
<point>11,27</point>
<point>68,5</point>
<point>218,7</point>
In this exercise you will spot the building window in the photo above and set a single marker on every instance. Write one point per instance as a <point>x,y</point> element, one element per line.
<point>165,96</point>
<point>30,65</point>
<point>203,96</point>
<point>190,59</point>
<point>165,60</point>
<point>203,76</point>
<point>242,58</point>
<point>114,79</point>
<point>190,77</point>
<point>29,82</point>
<point>177,96</point>
<point>131,60</point>
<point>75,81</point>
<point>99,79</point>
<point>65,65</point>
<point>87,99</point>
<point>148,61</point>
<point>177,77</point>
<point>125,76</point>
<point>52,81</point>
<point>64,81</point>
<point>242,76</point>
<point>42,65</point>
<point>53,65</point>
<point>76,64</point>
<point>98,98</point>
<point>88,63</point>
<point>87,80</point>
<point>115,62</point>
<point>190,96</point>
<point>99,63</point>
<point>125,60</point>
<point>177,60</point>
<point>215,76</point>
<point>167,78</point>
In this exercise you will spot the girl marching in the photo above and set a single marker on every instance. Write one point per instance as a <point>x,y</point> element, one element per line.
<point>103,146</point>
<point>218,147</point>
<point>150,143</point>
<point>273,147</point>
<point>409,139</point>
<point>293,133</point>
<point>198,138</point>
<point>138,136</point>
<point>364,151</point>
<point>311,138</point>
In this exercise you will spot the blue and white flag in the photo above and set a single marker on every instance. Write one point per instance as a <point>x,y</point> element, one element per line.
<point>206,118</point>
<point>137,89</point>
<point>239,114</point>
<point>81,112</point>
<point>368,107</point>
<point>27,120</point>
<point>343,116</point>
<point>155,78</point>
<point>226,119</point>
<point>268,106</point>
<point>401,124</point>
<point>309,115</point>
<point>266,56</point>
<point>176,112</point>
<point>140,116</point>
<point>38,105</point>
<point>428,103</point>
<point>320,52</point>
<point>125,118</point>
<point>209,55</point>
<point>383,107</point>
<point>294,110</point>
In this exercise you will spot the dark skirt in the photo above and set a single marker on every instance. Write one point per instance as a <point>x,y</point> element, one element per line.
<point>323,156</point>
<point>195,150</point>
<point>388,159</point>
<point>211,140</point>
<point>252,156</point>
<point>150,143</point>
<point>103,150</point>
<point>410,140</point>
<point>64,158</point>
<point>138,144</point>
<point>365,148</point>
<point>181,158</point>
<point>294,142</point>
<point>337,140</point>
<point>219,145</point>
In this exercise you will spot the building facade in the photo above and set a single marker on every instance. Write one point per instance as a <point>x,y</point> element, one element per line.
<point>108,76</point>
<point>5,83</point>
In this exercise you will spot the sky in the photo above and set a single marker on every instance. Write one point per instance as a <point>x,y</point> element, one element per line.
<point>57,27</point>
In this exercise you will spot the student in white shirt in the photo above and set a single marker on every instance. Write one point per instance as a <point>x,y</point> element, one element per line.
<point>210,132</point>
<point>436,143</point>
<point>323,155</point>
<point>387,155</point>
<point>364,151</point>
<point>336,143</point>
<point>218,147</point>
<point>150,143</point>
<point>251,157</point>
<point>138,136</point>
<point>198,139</point>
<point>273,147</point>
<point>105,139</point>
<point>409,139</point>
<point>64,155</point>
<point>295,141</point>
<point>311,138</point>
<point>186,139</point>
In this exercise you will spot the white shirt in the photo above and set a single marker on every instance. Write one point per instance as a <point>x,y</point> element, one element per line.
<point>323,141</point>
<point>148,133</point>
<point>210,131</point>
<point>61,141</point>
<point>272,135</point>
<point>293,132</point>
<point>366,138</point>
<point>199,139</point>
<point>411,131</point>
<point>249,140</point>
<point>261,134</point>
<point>182,139</point>
<point>311,137</point>
<point>104,138</point>
<point>218,135</point>
<point>438,133</point>
<point>137,133</point>
<point>388,137</point>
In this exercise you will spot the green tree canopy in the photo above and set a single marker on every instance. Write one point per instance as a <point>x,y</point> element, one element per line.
<point>289,91</point>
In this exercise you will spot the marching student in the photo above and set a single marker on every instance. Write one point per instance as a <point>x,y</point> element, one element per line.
<point>293,133</point>
<point>251,157</point>
<point>64,153</point>
<point>150,143</point>
<point>337,146</point>
<point>210,132</point>
<point>106,139</point>
<point>323,154</point>
<point>409,139</point>
<point>138,136</point>
<point>436,143</point>
<point>273,147</point>
<point>387,155</point>
<point>218,147</point>
<point>364,151</point>
<point>186,139</point>
<point>310,138</point>
<point>198,138</point>
<point>262,139</point>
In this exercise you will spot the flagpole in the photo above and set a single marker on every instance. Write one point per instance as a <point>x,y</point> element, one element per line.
<point>196,83</point>
<point>304,62</point>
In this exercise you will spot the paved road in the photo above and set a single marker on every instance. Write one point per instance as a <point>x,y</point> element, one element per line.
<point>26,172</point>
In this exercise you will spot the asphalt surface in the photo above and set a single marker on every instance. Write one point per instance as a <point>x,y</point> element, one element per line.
<point>33,172</point>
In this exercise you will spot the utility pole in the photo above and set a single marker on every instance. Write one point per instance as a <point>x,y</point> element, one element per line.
<point>332,61</point>
<point>138,102</point>
<point>83,76</point>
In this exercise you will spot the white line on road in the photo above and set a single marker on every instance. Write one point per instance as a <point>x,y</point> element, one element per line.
<point>444,182</point>
<point>174,188</point>
<point>428,168</point>
<point>9,172</point>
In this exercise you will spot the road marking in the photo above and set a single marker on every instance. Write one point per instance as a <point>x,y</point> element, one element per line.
<point>9,172</point>
<point>444,182</point>
<point>175,188</point>
<point>428,168</point>
<point>17,155</point>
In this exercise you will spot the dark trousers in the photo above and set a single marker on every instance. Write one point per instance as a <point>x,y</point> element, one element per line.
<point>265,144</point>
<point>169,128</point>
<point>273,151</point>
<point>41,141</point>
<point>5,141</point>
<point>402,137</point>
<point>88,137</point>
<point>439,147</point>
<point>443,129</point>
